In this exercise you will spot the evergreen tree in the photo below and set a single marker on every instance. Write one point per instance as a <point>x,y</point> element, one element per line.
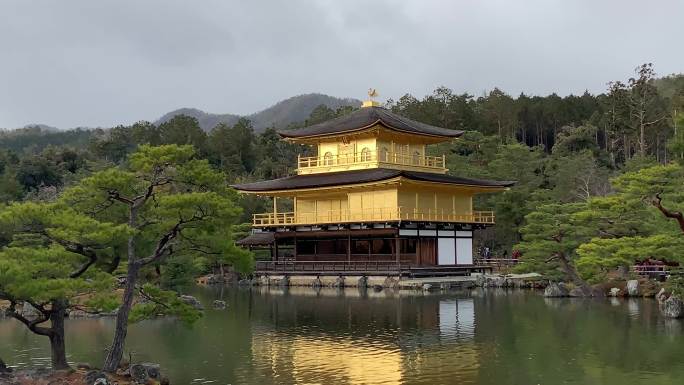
<point>50,265</point>
<point>174,203</point>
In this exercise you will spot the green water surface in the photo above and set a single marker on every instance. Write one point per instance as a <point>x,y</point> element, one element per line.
<point>302,336</point>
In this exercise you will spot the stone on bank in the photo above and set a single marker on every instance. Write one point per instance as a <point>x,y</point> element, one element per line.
<point>555,289</point>
<point>633,288</point>
<point>673,307</point>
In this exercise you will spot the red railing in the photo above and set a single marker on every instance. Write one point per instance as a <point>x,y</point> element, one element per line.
<point>656,270</point>
<point>331,266</point>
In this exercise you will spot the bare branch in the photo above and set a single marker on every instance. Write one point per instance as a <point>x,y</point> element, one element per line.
<point>113,194</point>
<point>146,296</point>
<point>676,215</point>
<point>30,324</point>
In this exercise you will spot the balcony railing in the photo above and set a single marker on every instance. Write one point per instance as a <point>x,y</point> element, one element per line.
<point>390,214</point>
<point>371,158</point>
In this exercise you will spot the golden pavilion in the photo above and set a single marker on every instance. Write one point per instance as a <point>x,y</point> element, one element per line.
<point>371,201</point>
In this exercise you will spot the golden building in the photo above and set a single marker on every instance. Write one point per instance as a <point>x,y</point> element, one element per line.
<point>371,200</point>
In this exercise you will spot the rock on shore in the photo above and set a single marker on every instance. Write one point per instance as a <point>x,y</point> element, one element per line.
<point>673,307</point>
<point>556,290</point>
<point>520,281</point>
<point>137,374</point>
<point>633,288</point>
<point>192,301</point>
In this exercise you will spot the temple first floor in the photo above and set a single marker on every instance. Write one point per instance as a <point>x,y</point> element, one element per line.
<point>366,249</point>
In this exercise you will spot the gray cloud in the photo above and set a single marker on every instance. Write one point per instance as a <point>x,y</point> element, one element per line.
<point>101,63</point>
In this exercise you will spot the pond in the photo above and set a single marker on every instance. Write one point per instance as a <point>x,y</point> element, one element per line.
<point>302,336</point>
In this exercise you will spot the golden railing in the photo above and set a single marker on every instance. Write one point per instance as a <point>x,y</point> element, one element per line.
<point>390,214</point>
<point>371,157</point>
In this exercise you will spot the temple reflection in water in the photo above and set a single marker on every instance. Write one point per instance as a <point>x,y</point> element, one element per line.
<point>365,337</point>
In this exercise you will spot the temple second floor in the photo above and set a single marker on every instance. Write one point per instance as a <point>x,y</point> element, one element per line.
<point>372,196</point>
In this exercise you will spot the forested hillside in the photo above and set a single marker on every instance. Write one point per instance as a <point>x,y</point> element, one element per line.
<point>561,150</point>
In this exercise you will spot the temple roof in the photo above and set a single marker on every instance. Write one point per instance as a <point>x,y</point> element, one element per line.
<point>367,117</point>
<point>340,178</point>
<point>257,239</point>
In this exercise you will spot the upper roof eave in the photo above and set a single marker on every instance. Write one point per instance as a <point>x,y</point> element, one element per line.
<point>356,177</point>
<point>365,118</point>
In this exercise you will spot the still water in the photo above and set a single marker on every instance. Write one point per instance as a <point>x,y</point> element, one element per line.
<point>302,336</point>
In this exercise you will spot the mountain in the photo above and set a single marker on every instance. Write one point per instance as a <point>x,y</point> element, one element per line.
<point>41,127</point>
<point>206,120</point>
<point>292,110</point>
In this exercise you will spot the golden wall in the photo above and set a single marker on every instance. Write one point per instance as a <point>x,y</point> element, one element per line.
<point>422,200</point>
<point>381,203</point>
<point>381,141</point>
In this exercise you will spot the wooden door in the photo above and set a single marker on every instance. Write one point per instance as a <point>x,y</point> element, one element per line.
<point>427,253</point>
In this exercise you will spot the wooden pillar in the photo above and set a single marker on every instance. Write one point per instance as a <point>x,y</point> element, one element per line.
<point>418,257</point>
<point>397,243</point>
<point>294,252</point>
<point>275,243</point>
<point>370,248</point>
<point>349,247</point>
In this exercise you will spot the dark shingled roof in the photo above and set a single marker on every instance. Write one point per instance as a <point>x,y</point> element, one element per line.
<point>257,239</point>
<point>366,117</point>
<point>361,176</point>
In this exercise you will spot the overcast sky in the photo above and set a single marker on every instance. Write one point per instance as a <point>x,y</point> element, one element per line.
<point>102,63</point>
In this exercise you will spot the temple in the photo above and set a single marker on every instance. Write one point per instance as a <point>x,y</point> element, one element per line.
<point>372,201</point>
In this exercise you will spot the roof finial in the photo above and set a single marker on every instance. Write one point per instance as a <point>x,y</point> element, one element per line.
<point>372,93</point>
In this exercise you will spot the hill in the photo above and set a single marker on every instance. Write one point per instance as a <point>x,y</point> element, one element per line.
<point>206,120</point>
<point>292,110</point>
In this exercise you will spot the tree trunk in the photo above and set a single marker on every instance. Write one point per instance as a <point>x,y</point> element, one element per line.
<point>57,341</point>
<point>571,273</point>
<point>642,141</point>
<point>116,350</point>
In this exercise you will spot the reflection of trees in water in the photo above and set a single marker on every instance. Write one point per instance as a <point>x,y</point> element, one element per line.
<point>530,339</point>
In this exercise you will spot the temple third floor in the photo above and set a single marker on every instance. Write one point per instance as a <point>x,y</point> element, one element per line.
<point>370,137</point>
<point>336,157</point>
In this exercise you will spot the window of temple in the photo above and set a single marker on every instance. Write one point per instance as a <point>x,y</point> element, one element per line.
<point>384,154</point>
<point>328,159</point>
<point>360,246</point>
<point>306,248</point>
<point>408,245</point>
<point>365,154</point>
<point>416,157</point>
<point>331,247</point>
<point>382,246</point>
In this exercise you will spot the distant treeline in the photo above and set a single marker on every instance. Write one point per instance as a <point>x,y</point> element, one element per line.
<point>636,116</point>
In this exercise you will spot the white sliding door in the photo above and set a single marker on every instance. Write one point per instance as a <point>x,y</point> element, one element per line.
<point>446,251</point>
<point>464,251</point>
